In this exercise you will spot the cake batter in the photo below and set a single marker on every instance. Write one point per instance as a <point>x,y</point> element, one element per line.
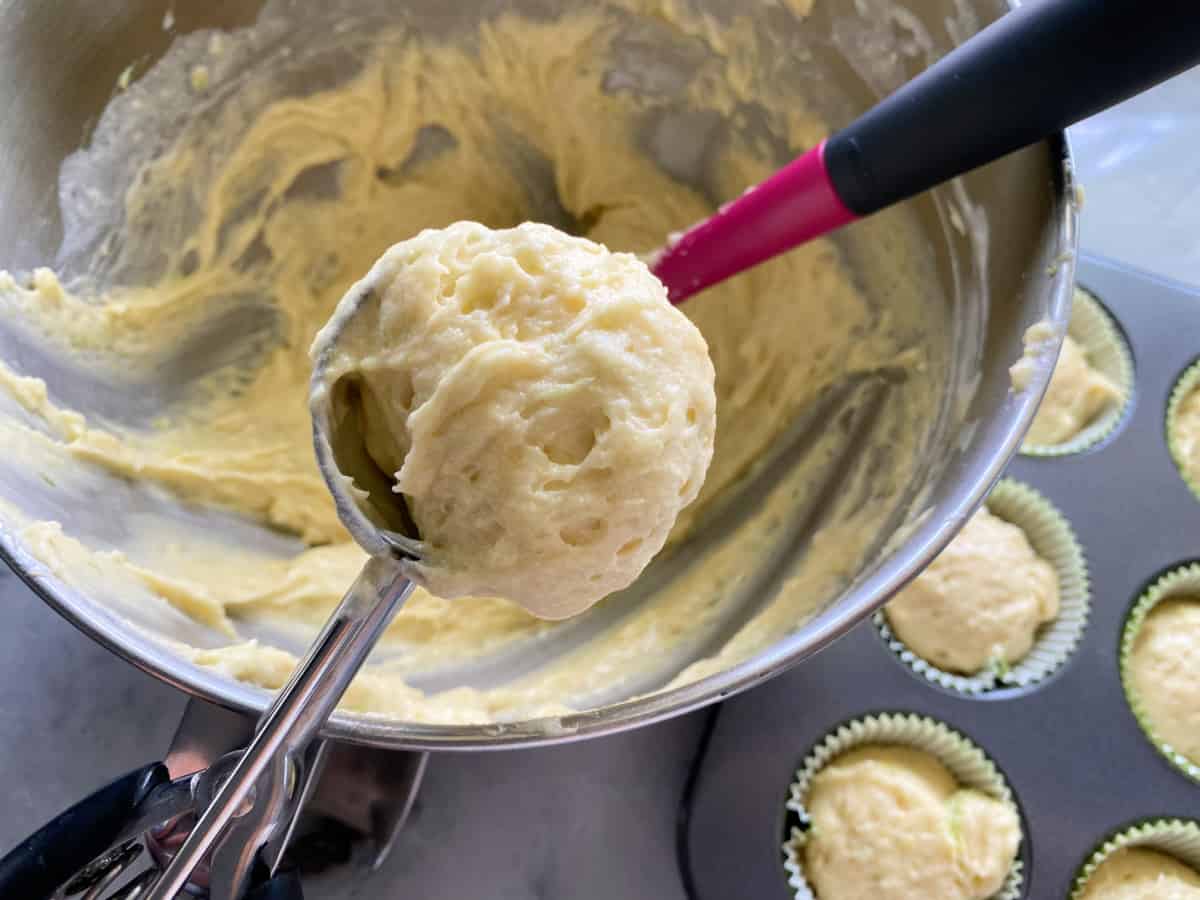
<point>891,821</point>
<point>1185,437</point>
<point>980,603</point>
<point>1076,396</point>
<point>1164,668</point>
<point>1139,873</point>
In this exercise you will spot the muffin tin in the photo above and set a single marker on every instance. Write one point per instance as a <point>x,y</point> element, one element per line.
<point>1079,765</point>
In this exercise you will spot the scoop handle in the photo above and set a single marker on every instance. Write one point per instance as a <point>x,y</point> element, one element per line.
<point>266,775</point>
<point>1042,67</point>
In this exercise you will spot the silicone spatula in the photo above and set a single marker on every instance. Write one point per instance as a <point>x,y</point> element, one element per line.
<point>1042,67</point>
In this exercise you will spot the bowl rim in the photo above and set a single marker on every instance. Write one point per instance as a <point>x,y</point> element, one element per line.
<point>855,604</point>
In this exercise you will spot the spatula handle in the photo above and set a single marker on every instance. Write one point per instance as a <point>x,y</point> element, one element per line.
<point>1042,67</point>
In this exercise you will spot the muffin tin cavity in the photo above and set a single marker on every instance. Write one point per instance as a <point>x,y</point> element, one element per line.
<point>965,761</point>
<point>1177,839</point>
<point>1160,666</point>
<point>1054,541</point>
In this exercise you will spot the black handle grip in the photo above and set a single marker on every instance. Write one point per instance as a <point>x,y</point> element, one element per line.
<point>47,859</point>
<point>284,886</point>
<point>1042,67</point>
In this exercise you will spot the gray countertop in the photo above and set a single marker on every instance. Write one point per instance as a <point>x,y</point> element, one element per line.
<point>593,820</point>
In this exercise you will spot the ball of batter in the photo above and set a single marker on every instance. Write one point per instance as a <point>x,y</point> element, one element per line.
<point>539,407</point>
<point>890,821</point>
<point>980,602</point>
<point>1141,874</point>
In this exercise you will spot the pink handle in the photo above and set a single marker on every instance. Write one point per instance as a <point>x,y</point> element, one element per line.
<point>796,204</point>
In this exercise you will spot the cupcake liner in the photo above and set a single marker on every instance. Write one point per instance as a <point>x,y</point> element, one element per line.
<point>1053,539</point>
<point>1094,329</point>
<point>1189,381</point>
<point>967,763</point>
<point>1175,837</point>
<point>1182,581</point>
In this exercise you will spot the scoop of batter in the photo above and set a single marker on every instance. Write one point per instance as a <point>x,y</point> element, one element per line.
<point>980,602</point>
<point>539,408</point>
<point>1164,667</point>
<point>1140,874</point>
<point>893,822</point>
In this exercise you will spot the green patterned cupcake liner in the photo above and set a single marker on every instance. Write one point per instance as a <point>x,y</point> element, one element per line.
<point>1177,838</point>
<point>1053,539</point>
<point>1189,381</point>
<point>1183,581</point>
<point>1096,332</point>
<point>969,765</point>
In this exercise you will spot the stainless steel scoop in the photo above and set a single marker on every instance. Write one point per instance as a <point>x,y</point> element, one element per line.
<point>246,821</point>
<point>246,813</point>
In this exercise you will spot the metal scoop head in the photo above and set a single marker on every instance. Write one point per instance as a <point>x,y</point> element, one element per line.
<point>376,516</point>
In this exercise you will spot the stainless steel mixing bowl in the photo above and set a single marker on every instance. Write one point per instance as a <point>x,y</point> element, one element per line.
<point>1001,243</point>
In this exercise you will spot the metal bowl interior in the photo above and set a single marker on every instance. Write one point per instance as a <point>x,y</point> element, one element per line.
<point>1000,244</point>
